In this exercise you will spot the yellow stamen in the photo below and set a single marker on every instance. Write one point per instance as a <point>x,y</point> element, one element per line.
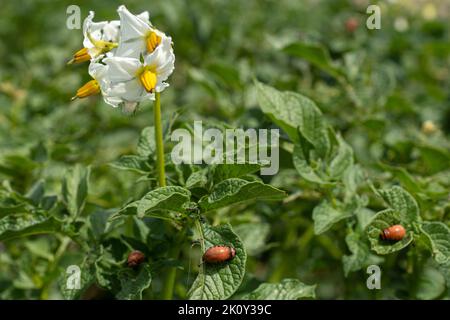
<point>88,89</point>
<point>103,46</point>
<point>100,47</point>
<point>152,40</point>
<point>80,56</point>
<point>148,80</point>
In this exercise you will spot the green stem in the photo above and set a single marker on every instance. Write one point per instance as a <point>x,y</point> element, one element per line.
<point>169,282</point>
<point>198,226</point>
<point>159,140</point>
<point>53,266</point>
<point>350,92</point>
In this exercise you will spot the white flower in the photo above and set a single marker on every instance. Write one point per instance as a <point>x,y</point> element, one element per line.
<point>99,72</point>
<point>130,59</point>
<point>100,83</point>
<point>137,35</point>
<point>136,81</point>
<point>99,38</point>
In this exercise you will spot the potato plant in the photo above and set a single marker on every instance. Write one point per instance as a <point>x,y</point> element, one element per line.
<point>93,206</point>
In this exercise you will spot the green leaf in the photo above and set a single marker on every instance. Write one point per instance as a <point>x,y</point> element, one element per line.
<point>108,264</point>
<point>9,209</point>
<point>205,79</point>
<point>381,221</point>
<point>364,217</point>
<point>98,222</point>
<point>325,216</point>
<point>13,202</point>
<point>198,179</point>
<point>170,198</point>
<point>133,283</point>
<point>288,289</point>
<point>406,179</point>
<point>321,169</point>
<point>436,159</point>
<point>132,163</point>
<point>439,240</point>
<point>48,202</point>
<point>16,165</point>
<point>22,225</point>
<point>235,190</point>
<point>219,281</point>
<point>147,146</point>
<point>402,202</point>
<point>227,171</point>
<point>304,169</point>
<point>445,270</point>
<point>36,192</point>
<point>316,55</point>
<point>75,189</point>
<point>227,73</point>
<point>295,113</point>
<point>361,255</point>
<point>430,284</point>
<point>351,179</point>
<point>253,236</point>
<point>106,274</point>
<point>342,161</point>
<point>40,247</point>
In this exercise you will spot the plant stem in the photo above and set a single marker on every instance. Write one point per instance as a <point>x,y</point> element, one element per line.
<point>53,266</point>
<point>159,141</point>
<point>169,281</point>
<point>198,226</point>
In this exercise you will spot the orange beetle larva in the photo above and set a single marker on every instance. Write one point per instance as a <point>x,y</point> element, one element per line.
<point>394,233</point>
<point>219,254</point>
<point>351,24</point>
<point>135,258</point>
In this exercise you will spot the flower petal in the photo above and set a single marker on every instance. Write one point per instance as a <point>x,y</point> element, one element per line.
<point>131,49</point>
<point>162,58</point>
<point>112,101</point>
<point>94,29</point>
<point>129,90</point>
<point>129,107</point>
<point>111,31</point>
<point>132,27</point>
<point>97,70</point>
<point>145,17</point>
<point>160,86</point>
<point>122,69</point>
